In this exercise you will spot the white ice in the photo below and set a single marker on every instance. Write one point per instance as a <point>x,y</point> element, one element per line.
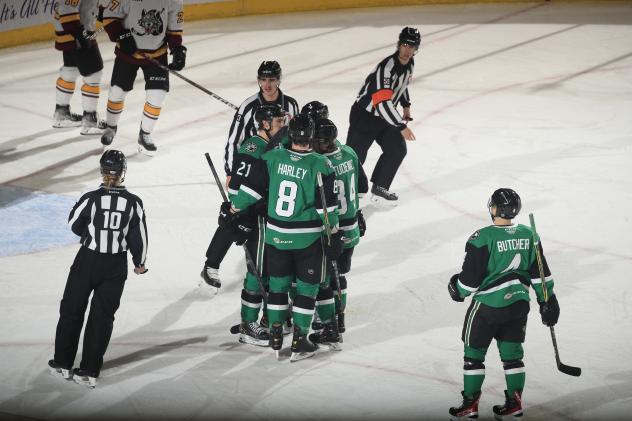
<point>533,96</point>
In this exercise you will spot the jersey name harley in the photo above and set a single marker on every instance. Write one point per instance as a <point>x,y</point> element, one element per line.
<point>513,244</point>
<point>344,167</point>
<point>292,171</point>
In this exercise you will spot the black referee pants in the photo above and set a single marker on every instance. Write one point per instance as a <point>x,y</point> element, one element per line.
<point>364,128</point>
<point>105,275</point>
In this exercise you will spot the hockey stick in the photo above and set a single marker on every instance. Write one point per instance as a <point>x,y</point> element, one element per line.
<point>189,81</point>
<point>566,369</point>
<point>249,262</point>
<point>334,264</point>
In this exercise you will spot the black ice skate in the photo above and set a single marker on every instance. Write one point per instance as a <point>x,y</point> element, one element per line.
<point>145,144</point>
<point>252,333</point>
<point>64,118</point>
<point>90,124</point>
<point>382,196</point>
<point>276,338</point>
<point>287,325</point>
<point>84,378</point>
<point>57,370</point>
<point>468,410</point>
<point>329,336</point>
<point>210,279</point>
<point>317,324</point>
<point>341,323</point>
<point>302,347</point>
<point>108,135</point>
<point>512,407</point>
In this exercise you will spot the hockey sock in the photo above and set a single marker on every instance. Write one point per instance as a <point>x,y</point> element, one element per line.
<point>325,304</point>
<point>116,100</point>
<point>151,111</point>
<point>343,286</point>
<point>90,91</point>
<point>277,299</point>
<point>250,305</point>
<point>511,354</point>
<point>473,370</point>
<point>303,305</point>
<point>66,84</point>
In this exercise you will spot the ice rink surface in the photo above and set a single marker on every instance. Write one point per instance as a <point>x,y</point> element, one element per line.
<point>533,96</point>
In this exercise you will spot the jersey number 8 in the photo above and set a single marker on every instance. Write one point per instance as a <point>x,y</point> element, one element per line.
<point>287,198</point>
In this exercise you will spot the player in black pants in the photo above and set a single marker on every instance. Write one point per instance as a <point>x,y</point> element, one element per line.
<point>110,220</point>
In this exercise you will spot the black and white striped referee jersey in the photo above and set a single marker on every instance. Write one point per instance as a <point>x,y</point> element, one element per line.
<point>385,88</point>
<point>111,220</point>
<point>244,125</point>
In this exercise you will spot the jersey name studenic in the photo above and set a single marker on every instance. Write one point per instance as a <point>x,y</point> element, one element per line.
<point>111,220</point>
<point>500,265</point>
<point>295,211</point>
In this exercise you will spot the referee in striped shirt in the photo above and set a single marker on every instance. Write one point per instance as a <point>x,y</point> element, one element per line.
<point>110,220</point>
<point>374,115</point>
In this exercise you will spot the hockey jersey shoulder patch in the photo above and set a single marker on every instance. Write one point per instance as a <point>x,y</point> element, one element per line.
<point>250,147</point>
<point>475,235</point>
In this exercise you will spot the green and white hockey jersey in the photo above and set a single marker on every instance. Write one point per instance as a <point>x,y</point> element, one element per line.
<point>295,211</point>
<point>350,180</point>
<point>500,265</point>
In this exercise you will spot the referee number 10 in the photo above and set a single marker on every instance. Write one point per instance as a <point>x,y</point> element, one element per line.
<point>112,220</point>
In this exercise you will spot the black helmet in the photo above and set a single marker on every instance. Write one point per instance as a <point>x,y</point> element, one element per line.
<point>315,110</point>
<point>325,133</point>
<point>113,162</point>
<point>410,36</point>
<point>269,69</point>
<point>507,203</point>
<point>267,112</point>
<point>301,130</point>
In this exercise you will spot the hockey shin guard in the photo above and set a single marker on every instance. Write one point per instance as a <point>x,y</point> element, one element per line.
<point>303,306</point>
<point>325,304</point>
<point>116,100</point>
<point>473,370</point>
<point>511,354</point>
<point>90,91</point>
<point>66,84</point>
<point>151,111</point>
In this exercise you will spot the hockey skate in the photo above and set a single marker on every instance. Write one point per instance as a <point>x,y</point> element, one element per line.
<point>317,324</point>
<point>276,338</point>
<point>341,323</point>
<point>302,347</point>
<point>252,333</point>
<point>84,378</point>
<point>468,410</point>
<point>287,325</point>
<point>58,371</point>
<point>382,196</point>
<point>146,144</point>
<point>90,124</point>
<point>108,135</point>
<point>64,118</point>
<point>512,407</point>
<point>329,336</point>
<point>210,280</point>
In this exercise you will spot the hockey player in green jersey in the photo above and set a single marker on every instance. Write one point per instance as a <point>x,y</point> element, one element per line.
<point>350,183</point>
<point>295,218</point>
<point>499,267</point>
<point>270,119</point>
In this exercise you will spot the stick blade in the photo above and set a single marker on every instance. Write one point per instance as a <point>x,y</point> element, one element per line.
<point>234,329</point>
<point>570,370</point>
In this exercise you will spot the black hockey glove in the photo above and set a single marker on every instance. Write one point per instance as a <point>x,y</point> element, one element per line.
<point>179,54</point>
<point>361,222</point>
<point>242,229</point>
<point>226,218</point>
<point>550,311</point>
<point>453,290</point>
<point>333,250</point>
<point>83,40</point>
<point>126,42</point>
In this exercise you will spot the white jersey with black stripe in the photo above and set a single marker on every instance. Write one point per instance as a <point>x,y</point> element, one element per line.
<point>111,220</point>
<point>385,88</point>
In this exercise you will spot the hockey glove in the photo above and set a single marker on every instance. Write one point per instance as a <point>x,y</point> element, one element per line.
<point>127,43</point>
<point>179,54</point>
<point>361,222</point>
<point>453,290</point>
<point>83,40</point>
<point>550,311</point>
<point>333,249</point>
<point>226,219</point>
<point>242,229</point>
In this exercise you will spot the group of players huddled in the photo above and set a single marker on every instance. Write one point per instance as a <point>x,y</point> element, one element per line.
<point>294,201</point>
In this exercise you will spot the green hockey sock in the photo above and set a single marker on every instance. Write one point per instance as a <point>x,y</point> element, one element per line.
<point>325,304</point>
<point>473,370</point>
<point>303,305</point>
<point>511,354</point>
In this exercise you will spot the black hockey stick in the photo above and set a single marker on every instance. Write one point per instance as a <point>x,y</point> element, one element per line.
<point>334,264</point>
<point>189,81</point>
<point>249,262</point>
<point>566,369</point>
